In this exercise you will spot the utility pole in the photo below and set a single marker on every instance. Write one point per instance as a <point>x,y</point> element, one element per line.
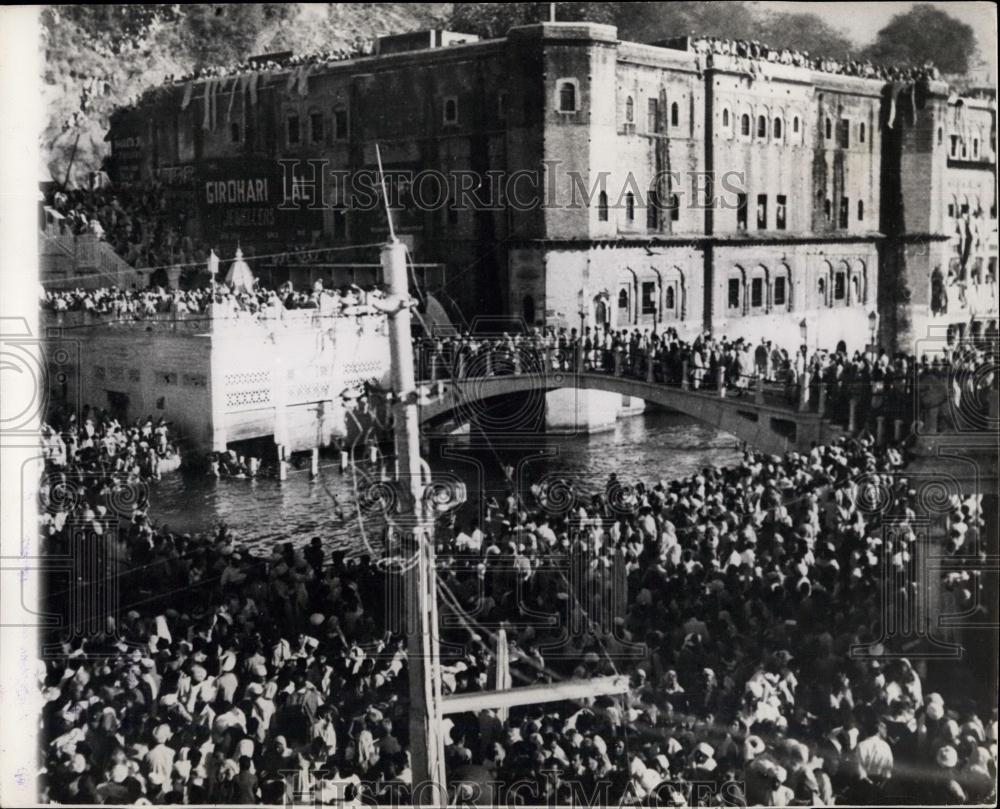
<point>416,536</point>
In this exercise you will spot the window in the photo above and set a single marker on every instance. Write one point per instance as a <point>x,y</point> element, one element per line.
<point>653,211</point>
<point>844,133</point>
<point>725,119</point>
<point>779,291</point>
<point>951,210</point>
<point>292,128</point>
<point>502,115</point>
<point>675,114</point>
<point>341,131</point>
<point>602,207</point>
<point>975,148</point>
<point>776,129</point>
<point>964,210</point>
<point>861,210</point>
<point>567,97</point>
<point>734,293</point>
<point>954,145</point>
<point>840,285</point>
<point>630,207</point>
<point>629,110</point>
<point>940,136</point>
<point>761,127</point>
<point>965,149</point>
<point>745,125</point>
<point>670,302</point>
<point>652,115</point>
<point>675,208</point>
<point>623,299</point>
<point>844,209</point>
<point>234,132</point>
<point>451,110</point>
<point>795,125</point>
<point>828,210</point>
<point>316,127</point>
<point>756,293</point>
<point>821,291</point>
<point>649,297</point>
<point>762,212</point>
<point>340,222</point>
<point>828,129</point>
<point>861,133</point>
<point>742,204</point>
<point>780,209</point>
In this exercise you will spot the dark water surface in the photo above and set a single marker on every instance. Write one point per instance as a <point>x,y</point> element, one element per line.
<point>648,447</point>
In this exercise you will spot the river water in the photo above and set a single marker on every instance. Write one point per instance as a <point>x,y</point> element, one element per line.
<point>653,446</point>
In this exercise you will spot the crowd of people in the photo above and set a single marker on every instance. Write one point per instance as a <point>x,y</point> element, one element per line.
<point>951,385</point>
<point>92,460</point>
<point>863,68</point>
<point>358,48</point>
<point>215,300</point>
<point>750,624</point>
<point>139,222</point>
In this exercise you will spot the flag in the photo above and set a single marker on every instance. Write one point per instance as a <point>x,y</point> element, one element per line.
<point>213,265</point>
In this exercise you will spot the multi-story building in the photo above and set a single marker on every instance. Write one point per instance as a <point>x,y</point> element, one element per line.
<point>619,184</point>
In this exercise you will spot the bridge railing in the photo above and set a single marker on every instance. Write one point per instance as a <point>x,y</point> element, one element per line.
<point>889,409</point>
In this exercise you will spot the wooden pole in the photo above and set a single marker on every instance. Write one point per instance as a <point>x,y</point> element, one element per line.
<point>426,747</point>
<point>531,694</point>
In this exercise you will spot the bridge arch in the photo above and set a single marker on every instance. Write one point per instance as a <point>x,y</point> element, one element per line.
<point>772,426</point>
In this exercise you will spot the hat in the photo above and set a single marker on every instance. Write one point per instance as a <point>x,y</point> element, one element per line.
<point>316,619</point>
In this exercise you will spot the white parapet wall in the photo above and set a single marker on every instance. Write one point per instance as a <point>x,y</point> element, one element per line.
<point>220,380</point>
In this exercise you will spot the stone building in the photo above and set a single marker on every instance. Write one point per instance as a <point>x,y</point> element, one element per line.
<point>593,182</point>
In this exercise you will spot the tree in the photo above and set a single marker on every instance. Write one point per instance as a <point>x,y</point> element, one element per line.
<point>925,34</point>
<point>805,32</point>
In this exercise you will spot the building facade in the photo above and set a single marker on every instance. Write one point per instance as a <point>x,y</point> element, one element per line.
<point>590,182</point>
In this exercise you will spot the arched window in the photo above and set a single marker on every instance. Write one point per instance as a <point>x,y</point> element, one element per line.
<point>725,118</point>
<point>629,110</point>
<point>567,97</point>
<point>734,291</point>
<point>861,210</point>
<point>777,129</point>
<point>828,209</point>
<point>795,124</point>
<point>828,131</point>
<point>861,133</point>
<point>761,127</point>
<point>779,288</point>
<point>630,207</point>
<point>292,128</point>
<point>623,299</point>
<point>451,110</point>
<point>528,309</point>
<point>975,148</point>
<point>675,114</point>
<point>602,207</point>
<point>745,125</point>
<point>670,298</point>
<point>821,291</point>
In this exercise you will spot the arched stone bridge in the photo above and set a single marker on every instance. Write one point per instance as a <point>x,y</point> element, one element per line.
<point>763,418</point>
